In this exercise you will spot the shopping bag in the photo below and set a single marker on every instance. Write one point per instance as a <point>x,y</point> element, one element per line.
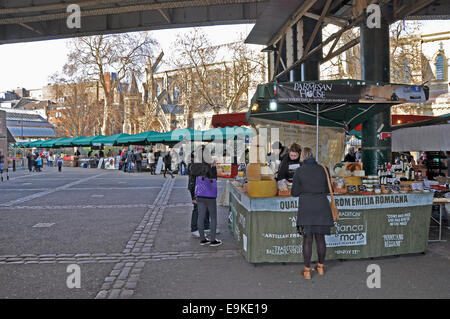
<point>205,187</point>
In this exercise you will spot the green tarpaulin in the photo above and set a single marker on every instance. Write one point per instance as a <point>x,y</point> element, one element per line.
<point>108,140</point>
<point>138,139</point>
<point>177,136</point>
<point>76,140</point>
<point>227,133</point>
<point>63,142</point>
<point>87,141</point>
<point>34,144</point>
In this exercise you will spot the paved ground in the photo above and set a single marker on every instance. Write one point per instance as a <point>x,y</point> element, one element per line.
<point>130,236</point>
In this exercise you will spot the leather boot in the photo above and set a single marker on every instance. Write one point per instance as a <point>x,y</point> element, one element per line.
<point>319,268</point>
<point>306,273</point>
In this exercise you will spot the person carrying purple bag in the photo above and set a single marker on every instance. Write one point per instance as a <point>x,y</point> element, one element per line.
<point>204,194</point>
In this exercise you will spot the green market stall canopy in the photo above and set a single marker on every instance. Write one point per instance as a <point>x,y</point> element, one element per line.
<point>339,103</point>
<point>145,138</point>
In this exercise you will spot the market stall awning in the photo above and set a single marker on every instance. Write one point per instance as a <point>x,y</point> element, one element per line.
<point>340,103</point>
<point>63,142</point>
<point>397,120</point>
<point>227,133</point>
<point>229,119</point>
<point>48,143</point>
<point>108,140</point>
<point>138,139</point>
<point>176,136</point>
<point>34,144</point>
<point>76,140</point>
<point>87,141</point>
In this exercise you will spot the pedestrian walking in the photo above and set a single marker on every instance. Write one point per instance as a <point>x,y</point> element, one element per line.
<point>123,159</point>
<point>39,164</point>
<point>314,217</point>
<point>203,188</point>
<point>151,162</point>
<point>30,161</point>
<point>182,165</point>
<point>50,159</point>
<point>60,164</point>
<point>168,164</point>
<point>2,160</point>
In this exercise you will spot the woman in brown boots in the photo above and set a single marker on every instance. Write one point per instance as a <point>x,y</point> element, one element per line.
<point>314,218</point>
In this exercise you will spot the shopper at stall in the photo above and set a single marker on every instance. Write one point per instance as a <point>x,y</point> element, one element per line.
<point>351,156</point>
<point>138,158</point>
<point>314,217</point>
<point>290,163</point>
<point>194,216</point>
<point>203,188</point>
<point>123,160</point>
<point>131,161</point>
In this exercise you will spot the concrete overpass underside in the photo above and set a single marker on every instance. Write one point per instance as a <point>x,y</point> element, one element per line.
<point>31,20</point>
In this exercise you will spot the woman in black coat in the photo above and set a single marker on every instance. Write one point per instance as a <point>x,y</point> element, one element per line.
<point>314,218</point>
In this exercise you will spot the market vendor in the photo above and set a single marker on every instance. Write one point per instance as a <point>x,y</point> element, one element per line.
<point>290,163</point>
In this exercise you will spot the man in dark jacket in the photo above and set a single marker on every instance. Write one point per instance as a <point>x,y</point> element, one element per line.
<point>351,156</point>
<point>138,161</point>
<point>130,161</point>
<point>167,164</point>
<point>30,161</point>
<point>314,217</point>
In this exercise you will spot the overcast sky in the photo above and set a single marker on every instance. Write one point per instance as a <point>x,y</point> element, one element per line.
<point>30,64</point>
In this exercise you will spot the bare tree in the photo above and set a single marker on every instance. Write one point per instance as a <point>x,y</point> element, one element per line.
<point>91,58</point>
<point>215,77</point>
<point>77,111</point>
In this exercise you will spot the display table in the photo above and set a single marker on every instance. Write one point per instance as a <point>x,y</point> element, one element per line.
<point>368,226</point>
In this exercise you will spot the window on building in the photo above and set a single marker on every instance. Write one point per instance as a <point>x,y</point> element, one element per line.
<point>175,93</point>
<point>158,90</point>
<point>440,74</point>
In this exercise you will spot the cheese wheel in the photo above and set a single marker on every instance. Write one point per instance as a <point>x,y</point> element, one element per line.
<point>266,188</point>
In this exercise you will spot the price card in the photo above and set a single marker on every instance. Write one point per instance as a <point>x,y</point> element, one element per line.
<point>362,188</point>
<point>351,189</point>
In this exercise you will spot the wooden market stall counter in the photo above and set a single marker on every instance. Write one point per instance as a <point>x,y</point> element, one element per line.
<point>368,226</point>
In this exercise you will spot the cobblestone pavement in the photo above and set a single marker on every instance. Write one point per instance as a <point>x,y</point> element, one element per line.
<point>130,236</point>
